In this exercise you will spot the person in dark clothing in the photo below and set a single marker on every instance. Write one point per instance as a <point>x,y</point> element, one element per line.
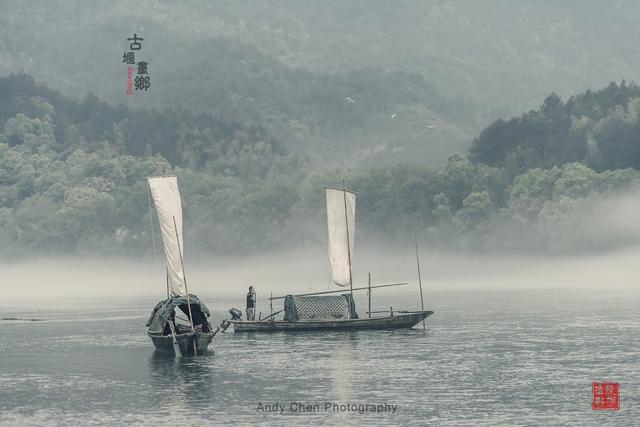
<point>251,303</point>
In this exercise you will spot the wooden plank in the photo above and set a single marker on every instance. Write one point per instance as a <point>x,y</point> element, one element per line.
<point>341,290</point>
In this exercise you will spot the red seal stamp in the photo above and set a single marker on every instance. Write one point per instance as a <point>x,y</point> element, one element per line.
<point>606,396</point>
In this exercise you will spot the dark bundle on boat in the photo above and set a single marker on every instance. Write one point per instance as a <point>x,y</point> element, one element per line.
<point>164,331</point>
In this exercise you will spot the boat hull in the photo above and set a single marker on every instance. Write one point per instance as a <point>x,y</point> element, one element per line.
<point>399,321</point>
<point>164,343</point>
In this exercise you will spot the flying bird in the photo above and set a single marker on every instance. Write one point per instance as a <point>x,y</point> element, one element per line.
<point>431,126</point>
<point>394,115</point>
<point>350,100</point>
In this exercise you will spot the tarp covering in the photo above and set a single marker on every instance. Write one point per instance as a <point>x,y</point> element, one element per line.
<point>166,198</point>
<point>341,204</point>
<point>325,307</point>
<point>164,309</point>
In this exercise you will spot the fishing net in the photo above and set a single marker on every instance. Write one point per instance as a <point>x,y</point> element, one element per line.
<point>328,307</point>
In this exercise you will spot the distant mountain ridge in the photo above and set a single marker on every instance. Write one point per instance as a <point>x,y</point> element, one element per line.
<point>362,115</point>
<point>442,70</point>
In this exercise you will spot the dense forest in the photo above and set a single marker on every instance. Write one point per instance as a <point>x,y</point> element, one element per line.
<point>338,82</point>
<point>72,178</point>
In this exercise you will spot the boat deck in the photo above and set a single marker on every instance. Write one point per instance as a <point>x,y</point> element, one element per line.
<point>397,321</point>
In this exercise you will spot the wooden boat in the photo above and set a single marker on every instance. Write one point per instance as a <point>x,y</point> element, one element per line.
<point>317,311</point>
<point>168,335</point>
<point>168,330</point>
<point>399,321</point>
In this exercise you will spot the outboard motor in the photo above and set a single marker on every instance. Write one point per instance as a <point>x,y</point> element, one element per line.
<point>235,315</point>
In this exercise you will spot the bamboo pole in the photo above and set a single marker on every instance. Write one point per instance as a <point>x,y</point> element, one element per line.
<point>415,236</point>
<point>397,311</point>
<point>184,276</point>
<point>271,315</point>
<point>346,220</point>
<point>153,234</point>
<point>178,352</point>
<point>369,294</point>
<point>166,270</point>
<point>339,290</point>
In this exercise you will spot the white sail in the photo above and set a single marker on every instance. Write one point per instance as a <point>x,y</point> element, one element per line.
<point>341,222</point>
<point>166,198</point>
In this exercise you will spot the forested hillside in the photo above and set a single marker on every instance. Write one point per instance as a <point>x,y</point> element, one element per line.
<point>599,129</point>
<point>365,83</point>
<point>361,115</point>
<point>72,179</point>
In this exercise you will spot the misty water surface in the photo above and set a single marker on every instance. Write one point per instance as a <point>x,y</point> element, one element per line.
<point>513,341</point>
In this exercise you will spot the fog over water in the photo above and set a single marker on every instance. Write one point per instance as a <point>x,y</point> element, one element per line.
<point>66,280</point>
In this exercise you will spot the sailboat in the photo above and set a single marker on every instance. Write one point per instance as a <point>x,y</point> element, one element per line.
<point>320,311</point>
<point>180,322</point>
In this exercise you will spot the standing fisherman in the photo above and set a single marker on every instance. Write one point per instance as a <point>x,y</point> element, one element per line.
<point>251,303</point>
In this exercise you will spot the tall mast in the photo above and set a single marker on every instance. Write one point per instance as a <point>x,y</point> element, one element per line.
<point>369,294</point>
<point>419,280</point>
<point>183,274</point>
<point>153,236</point>
<point>166,269</point>
<point>185,283</point>
<point>346,220</point>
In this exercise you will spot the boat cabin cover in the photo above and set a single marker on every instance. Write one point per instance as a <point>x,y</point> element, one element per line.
<point>164,311</point>
<point>327,307</point>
